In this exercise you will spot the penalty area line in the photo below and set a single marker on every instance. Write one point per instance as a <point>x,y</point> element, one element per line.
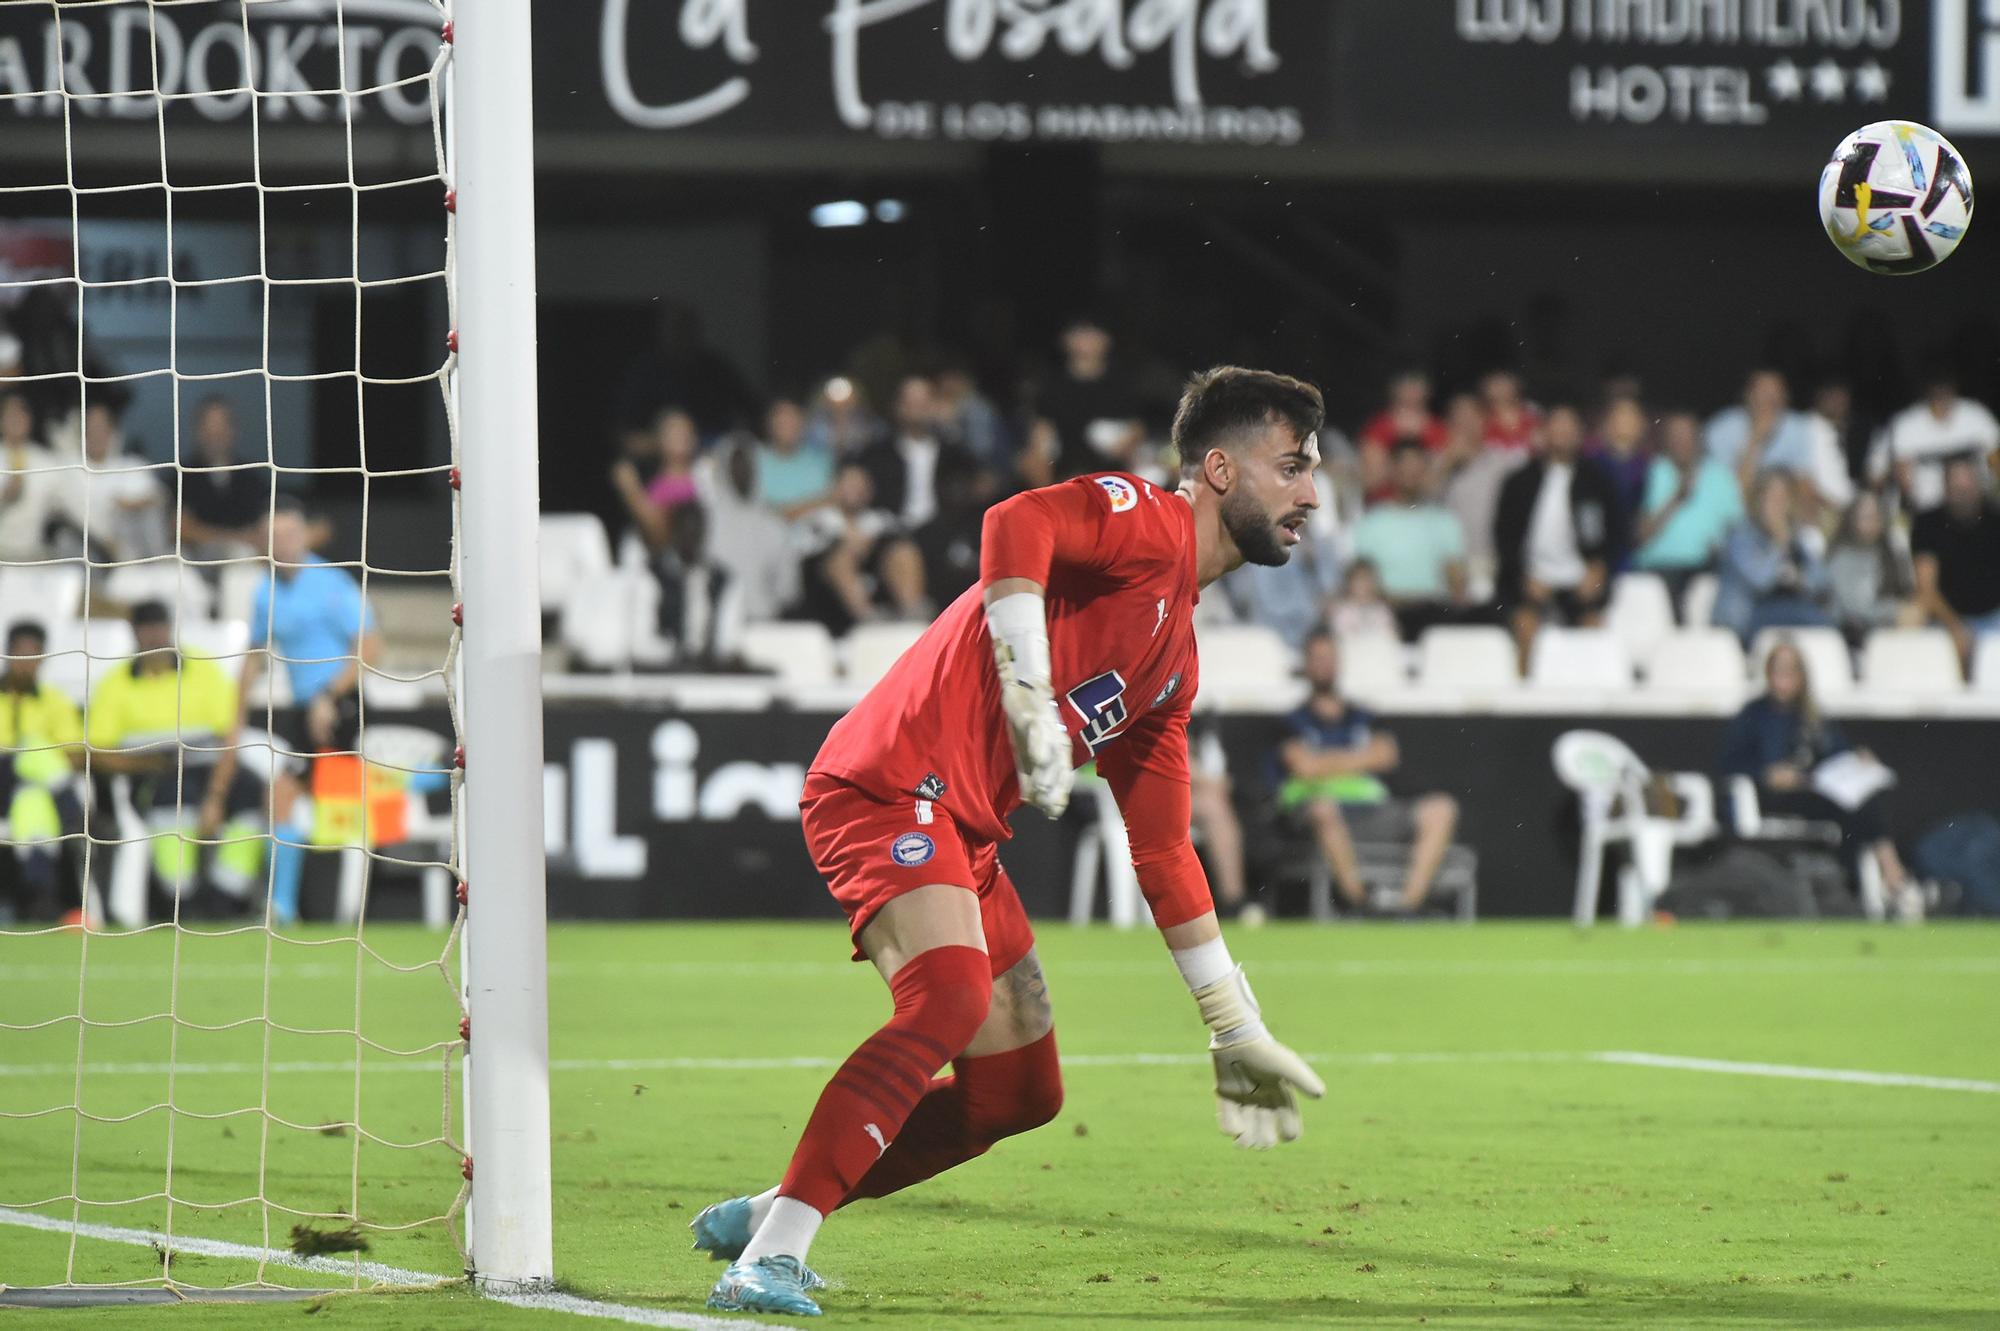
<point>380,1274</point>
<point>1794,1072</point>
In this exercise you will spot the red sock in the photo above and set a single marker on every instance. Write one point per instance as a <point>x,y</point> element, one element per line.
<point>962,1116</point>
<point>941,998</point>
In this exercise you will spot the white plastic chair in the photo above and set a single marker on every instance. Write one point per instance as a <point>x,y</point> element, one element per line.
<point>1467,659</point>
<point>81,652</point>
<point>1698,601</point>
<point>1243,659</point>
<point>224,641</point>
<point>872,648</point>
<point>1104,843</point>
<point>1579,660</point>
<point>1829,663</point>
<point>1747,815</point>
<point>1697,661</point>
<point>1641,613</point>
<point>408,749</point>
<point>1610,783</point>
<point>179,587</point>
<point>1372,663</point>
<point>1911,661</point>
<point>1986,664</point>
<point>45,593</point>
<point>574,549</point>
<point>797,652</point>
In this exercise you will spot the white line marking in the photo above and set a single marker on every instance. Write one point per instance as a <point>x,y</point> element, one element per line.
<point>381,1274</point>
<point>1791,1071</point>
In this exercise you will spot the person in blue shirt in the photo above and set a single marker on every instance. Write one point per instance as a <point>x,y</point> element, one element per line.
<point>1764,433</point>
<point>1778,739</point>
<point>311,617</point>
<point>1330,769</point>
<point>1773,570</point>
<point>1691,503</point>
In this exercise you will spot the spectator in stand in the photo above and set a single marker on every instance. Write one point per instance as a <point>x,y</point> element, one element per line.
<point>1212,816</point>
<point>1836,421</point>
<point>1512,422</point>
<point>858,568</point>
<point>41,742</point>
<point>650,502</point>
<point>123,513</point>
<point>1922,437</point>
<point>1291,597</point>
<point>224,501</point>
<point>1623,451</point>
<point>681,370</point>
<point>1406,415</point>
<point>701,601</point>
<point>1868,574</point>
<point>794,473</point>
<point>1088,418</point>
<point>1828,488</point>
<point>1957,548</point>
<point>1692,503</point>
<point>160,719</point>
<point>1331,767</point>
<point>745,535</point>
<point>905,466</point>
<point>1777,741</point>
<point>970,417</point>
<point>33,491</point>
<point>1415,544</point>
<point>841,423</point>
<point>1471,476</point>
<point>1359,611</point>
<point>1557,531</point>
<point>1773,575</point>
<point>1763,433</point>
<point>949,542</point>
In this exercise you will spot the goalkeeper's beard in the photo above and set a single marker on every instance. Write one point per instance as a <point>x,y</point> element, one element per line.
<point>1254,530</point>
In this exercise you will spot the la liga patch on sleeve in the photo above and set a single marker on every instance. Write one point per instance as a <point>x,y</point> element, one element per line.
<point>1123,495</point>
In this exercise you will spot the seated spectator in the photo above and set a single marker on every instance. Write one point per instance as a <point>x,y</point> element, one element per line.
<point>841,422</point>
<point>1828,481</point>
<point>1957,549</point>
<point>1291,597</point>
<point>1406,415</point>
<point>162,719</point>
<point>41,734</point>
<point>701,601</point>
<point>1922,437</point>
<point>33,490</point>
<point>1415,544</point>
<point>1692,502</point>
<point>745,535</point>
<point>971,418</point>
<point>1556,531</point>
<point>1217,829</point>
<point>1512,422</point>
<point>949,542</point>
<point>1763,433</point>
<point>1332,767</point>
<point>119,510</point>
<point>1777,740</point>
<point>1623,452</point>
<point>650,501</point>
<point>1773,575</point>
<point>1087,418</point>
<point>858,569</point>
<point>904,467</point>
<point>1359,611</point>
<point>1470,476</point>
<point>794,474</point>
<point>1868,574</point>
<point>1838,425</point>
<point>224,503</point>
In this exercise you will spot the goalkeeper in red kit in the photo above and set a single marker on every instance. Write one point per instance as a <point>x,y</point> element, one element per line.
<point>1078,645</point>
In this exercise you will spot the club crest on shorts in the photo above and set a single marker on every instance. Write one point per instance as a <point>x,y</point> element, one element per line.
<point>1123,496</point>
<point>912,849</point>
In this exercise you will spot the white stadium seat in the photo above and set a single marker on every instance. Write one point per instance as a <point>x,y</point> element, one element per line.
<point>1579,660</point>
<point>1829,664</point>
<point>222,640</point>
<point>872,648</point>
<point>1986,664</point>
<point>1911,661</point>
<point>1467,659</point>
<point>1640,614</point>
<point>574,549</point>
<point>44,593</point>
<point>1704,661</point>
<point>1698,602</point>
<point>1372,663</point>
<point>82,652</point>
<point>1239,659</point>
<point>797,652</point>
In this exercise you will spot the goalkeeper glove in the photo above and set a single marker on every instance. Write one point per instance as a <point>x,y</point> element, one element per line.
<point>1255,1076</point>
<point>1042,761</point>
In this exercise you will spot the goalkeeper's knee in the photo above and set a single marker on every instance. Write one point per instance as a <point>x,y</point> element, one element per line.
<point>942,996</point>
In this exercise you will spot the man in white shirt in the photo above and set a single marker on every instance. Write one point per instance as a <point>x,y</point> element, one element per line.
<point>1925,435</point>
<point>31,485</point>
<point>123,500</point>
<point>1556,529</point>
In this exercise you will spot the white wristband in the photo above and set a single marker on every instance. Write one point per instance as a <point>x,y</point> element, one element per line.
<point>1020,621</point>
<point>1204,963</point>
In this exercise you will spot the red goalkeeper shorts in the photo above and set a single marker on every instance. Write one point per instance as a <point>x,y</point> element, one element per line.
<point>871,851</point>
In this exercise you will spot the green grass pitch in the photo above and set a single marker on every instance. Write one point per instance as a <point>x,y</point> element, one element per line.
<point>1473,1165</point>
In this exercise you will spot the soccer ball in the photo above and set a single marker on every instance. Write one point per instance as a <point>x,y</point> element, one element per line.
<point>1896,198</point>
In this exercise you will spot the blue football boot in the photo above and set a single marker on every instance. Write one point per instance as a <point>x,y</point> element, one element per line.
<point>723,1230</point>
<point>775,1284</point>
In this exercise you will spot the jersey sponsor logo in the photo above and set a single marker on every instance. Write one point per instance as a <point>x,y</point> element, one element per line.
<point>912,849</point>
<point>1173,687</point>
<point>931,787</point>
<point>1123,496</point>
<point>1101,703</point>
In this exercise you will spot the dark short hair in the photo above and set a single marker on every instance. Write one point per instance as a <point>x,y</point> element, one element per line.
<point>1320,632</point>
<point>285,505</point>
<point>148,613</point>
<point>1407,443</point>
<point>27,628</point>
<point>1220,405</point>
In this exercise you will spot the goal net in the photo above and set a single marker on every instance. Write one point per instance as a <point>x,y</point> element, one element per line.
<point>232,1037</point>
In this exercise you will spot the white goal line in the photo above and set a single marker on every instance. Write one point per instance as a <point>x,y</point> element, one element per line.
<point>812,1062</point>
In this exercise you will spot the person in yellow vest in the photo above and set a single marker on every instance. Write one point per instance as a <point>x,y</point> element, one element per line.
<point>42,734</point>
<point>161,719</point>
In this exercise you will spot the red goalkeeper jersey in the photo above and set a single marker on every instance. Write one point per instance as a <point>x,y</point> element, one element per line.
<point>1116,557</point>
